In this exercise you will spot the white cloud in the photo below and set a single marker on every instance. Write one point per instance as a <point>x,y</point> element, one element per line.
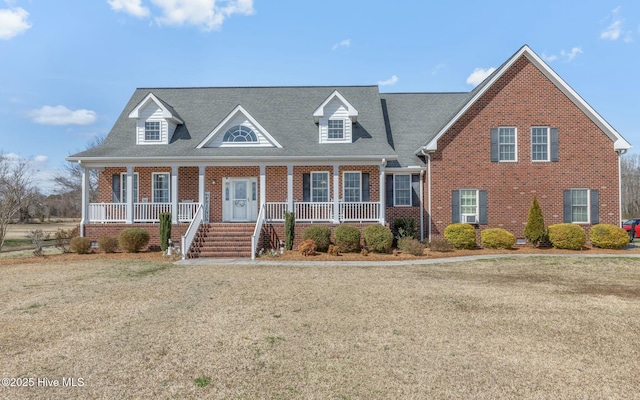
<point>550,58</point>
<point>61,115</point>
<point>613,31</point>
<point>132,7</point>
<point>478,75</point>
<point>40,159</point>
<point>343,43</point>
<point>569,56</point>
<point>13,22</point>
<point>391,81</point>
<point>616,30</point>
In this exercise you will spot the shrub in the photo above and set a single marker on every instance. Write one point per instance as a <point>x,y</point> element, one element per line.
<point>80,245</point>
<point>608,236</point>
<point>333,250</point>
<point>534,231</point>
<point>440,245</point>
<point>321,236</point>
<point>307,248</point>
<point>405,227</point>
<point>165,230</point>
<point>108,244</point>
<point>63,237</point>
<point>289,228</point>
<point>347,238</point>
<point>378,238</point>
<point>133,239</point>
<point>410,245</point>
<point>567,236</point>
<point>461,236</point>
<point>497,238</point>
<point>37,238</point>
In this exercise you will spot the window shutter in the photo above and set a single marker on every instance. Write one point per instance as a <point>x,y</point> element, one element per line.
<point>455,206</point>
<point>366,195</point>
<point>554,144</point>
<point>115,188</point>
<point>415,193</point>
<point>389,190</point>
<point>482,201</point>
<point>306,187</point>
<point>566,206</point>
<point>495,148</point>
<point>595,207</point>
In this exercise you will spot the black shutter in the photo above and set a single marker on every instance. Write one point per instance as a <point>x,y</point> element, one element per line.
<point>306,187</point>
<point>455,206</point>
<point>495,147</point>
<point>554,144</point>
<point>415,193</point>
<point>115,188</point>
<point>595,207</point>
<point>389,190</point>
<point>366,192</point>
<point>566,206</point>
<point>482,194</point>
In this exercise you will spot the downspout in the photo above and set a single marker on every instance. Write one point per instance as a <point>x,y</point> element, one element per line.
<point>428,156</point>
<point>620,154</point>
<point>422,206</point>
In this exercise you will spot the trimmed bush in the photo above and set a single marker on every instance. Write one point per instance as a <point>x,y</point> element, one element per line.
<point>534,231</point>
<point>133,239</point>
<point>108,244</point>
<point>410,245</point>
<point>378,238</point>
<point>461,236</point>
<point>80,245</point>
<point>165,230</point>
<point>608,236</point>
<point>307,248</point>
<point>567,236</point>
<point>321,236</point>
<point>405,227</point>
<point>497,238</point>
<point>347,238</point>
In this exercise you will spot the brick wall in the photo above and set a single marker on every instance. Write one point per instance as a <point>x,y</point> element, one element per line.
<point>94,231</point>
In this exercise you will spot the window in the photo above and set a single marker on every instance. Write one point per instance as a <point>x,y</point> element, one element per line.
<point>402,190</point>
<point>540,143</point>
<point>580,205</point>
<point>320,187</point>
<point>161,192</point>
<point>351,187</point>
<point>507,143</point>
<point>123,187</point>
<point>152,130</point>
<point>336,129</point>
<point>240,134</point>
<point>469,205</point>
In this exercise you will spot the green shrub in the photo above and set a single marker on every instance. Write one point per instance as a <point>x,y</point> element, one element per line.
<point>497,238</point>
<point>80,245</point>
<point>108,244</point>
<point>567,236</point>
<point>534,231</point>
<point>347,238</point>
<point>410,245</point>
<point>440,245</point>
<point>289,228</point>
<point>165,230</point>
<point>608,236</point>
<point>133,239</point>
<point>321,236</point>
<point>405,227</point>
<point>378,238</point>
<point>461,236</point>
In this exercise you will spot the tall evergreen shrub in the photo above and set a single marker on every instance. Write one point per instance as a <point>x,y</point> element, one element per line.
<point>289,228</point>
<point>165,230</point>
<point>535,231</point>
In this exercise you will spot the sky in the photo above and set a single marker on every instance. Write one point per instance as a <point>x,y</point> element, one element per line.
<point>68,67</point>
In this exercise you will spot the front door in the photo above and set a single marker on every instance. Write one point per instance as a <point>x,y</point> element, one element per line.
<point>240,199</point>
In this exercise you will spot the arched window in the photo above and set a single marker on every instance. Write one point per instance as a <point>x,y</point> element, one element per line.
<point>240,134</point>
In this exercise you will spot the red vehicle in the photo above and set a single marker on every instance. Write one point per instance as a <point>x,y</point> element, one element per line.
<point>632,226</point>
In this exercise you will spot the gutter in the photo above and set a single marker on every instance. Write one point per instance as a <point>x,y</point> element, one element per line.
<point>428,156</point>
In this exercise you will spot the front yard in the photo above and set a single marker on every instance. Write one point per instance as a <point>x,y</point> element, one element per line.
<point>539,327</point>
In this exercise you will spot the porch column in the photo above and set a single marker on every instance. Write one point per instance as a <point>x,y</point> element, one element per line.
<point>174,195</point>
<point>290,188</point>
<point>201,185</point>
<point>85,199</point>
<point>263,185</point>
<point>336,194</point>
<point>383,192</point>
<point>129,183</point>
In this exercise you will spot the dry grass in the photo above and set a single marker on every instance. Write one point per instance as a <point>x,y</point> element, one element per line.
<point>142,328</point>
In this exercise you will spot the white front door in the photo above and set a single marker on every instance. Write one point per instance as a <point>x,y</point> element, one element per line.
<point>240,199</point>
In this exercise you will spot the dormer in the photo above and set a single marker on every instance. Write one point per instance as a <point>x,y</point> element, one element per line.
<point>335,117</point>
<point>239,129</point>
<point>156,121</point>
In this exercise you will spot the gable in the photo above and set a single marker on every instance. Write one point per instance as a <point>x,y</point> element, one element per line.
<point>335,117</point>
<point>153,110</point>
<point>239,129</point>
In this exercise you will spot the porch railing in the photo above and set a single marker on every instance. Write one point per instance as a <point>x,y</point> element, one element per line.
<point>359,211</point>
<point>309,211</point>
<point>256,232</point>
<point>187,239</point>
<point>323,211</point>
<point>274,211</point>
<point>142,212</point>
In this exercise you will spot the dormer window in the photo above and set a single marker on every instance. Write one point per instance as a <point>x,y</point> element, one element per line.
<point>152,131</point>
<point>156,121</point>
<point>336,129</point>
<point>335,118</point>
<point>240,134</point>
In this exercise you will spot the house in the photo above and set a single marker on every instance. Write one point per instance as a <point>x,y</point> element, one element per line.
<point>232,160</point>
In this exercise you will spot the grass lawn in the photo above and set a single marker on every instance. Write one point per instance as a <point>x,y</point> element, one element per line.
<point>531,327</point>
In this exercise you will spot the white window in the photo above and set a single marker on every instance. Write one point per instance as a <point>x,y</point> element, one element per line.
<point>161,187</point>
<point>469,205</point>
<point>351,186</point>
<point>123,187</point>
<point>580,206</point>
<point>320,187</point>
<point>240,134</point>
<point>540,143</point>
<point>507,143</point>
<point>402,190</point>
<point>152,130</point>
<point>336,129</point>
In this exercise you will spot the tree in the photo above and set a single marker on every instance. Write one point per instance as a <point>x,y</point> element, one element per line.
<point>630,182</point>
<point>534,231</point>
<point>16,190</point>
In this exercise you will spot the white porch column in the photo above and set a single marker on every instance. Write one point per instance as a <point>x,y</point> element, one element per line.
<point>129,185</point>
<point>174,195</point>
<point>383,192</point>
<point>336,194</point>
<point>85,199</point>
<point>201,185</point>
<point>289,188</point>
<point>263,185</point>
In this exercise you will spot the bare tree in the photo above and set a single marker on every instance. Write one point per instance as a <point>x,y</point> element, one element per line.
<point>630,171</point>
<point>16,190</point>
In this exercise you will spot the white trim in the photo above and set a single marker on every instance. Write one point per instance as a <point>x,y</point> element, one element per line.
<point>477,213</point>
<point>410,191</point>
<point>166,113</point>
<point>319,112</point>
<point>222,127</point>
<point>344,197</point>
<point>548,128</point>
<point>311,186</point>
<point>153,192</point>
<point>515,149</point>
<point>588,207</point>
<point>123,186</point>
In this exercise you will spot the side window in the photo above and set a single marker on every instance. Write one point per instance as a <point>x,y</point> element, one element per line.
<point>581,206</point>
<point>161,188</point>
<point>352,187</point>
<point>504,144</point>
<point>123,187</point>
<point>540,140</point>
<point>469,206</point>
<point>401,190</point>
<point>335,129</point>
<point>152,130</point>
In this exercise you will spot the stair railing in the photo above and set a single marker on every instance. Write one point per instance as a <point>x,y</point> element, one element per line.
<point>256,232</point>
<point>188,236</point>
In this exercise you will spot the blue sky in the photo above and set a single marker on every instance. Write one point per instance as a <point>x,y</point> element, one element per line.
<point>69,67</point>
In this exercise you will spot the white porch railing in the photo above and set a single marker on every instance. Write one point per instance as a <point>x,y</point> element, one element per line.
<point>359,211</point>
<point>149,212</point>
<point>186,211</point>
<point>256,232</point>
<point>274,211</point>
<point>107,212</point>
<point>142,212</point>
<point>309,211</point>
<point>187,239</point>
